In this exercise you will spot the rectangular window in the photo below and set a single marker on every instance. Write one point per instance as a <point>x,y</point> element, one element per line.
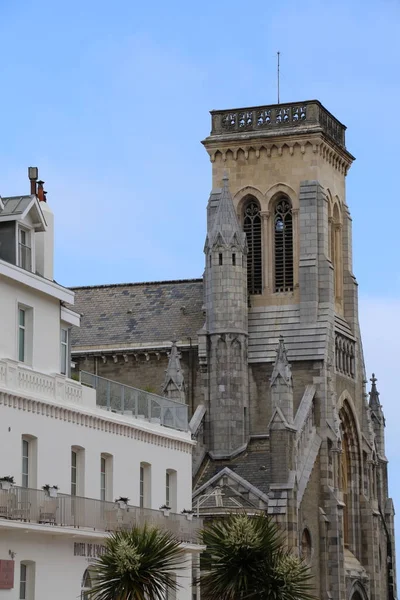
<point>64,352</point>
<point>103,479</point>
<point>171,489</point>
<point>167,490</point>
<point>22,582</point>
<point>234,259</point>
<point>145,485</point>
<point>21,335</point>
<point>141,499</point>
<point>220,259</point>
<point>24,251</point>
<point>25,463</point>
<point>73,472</point>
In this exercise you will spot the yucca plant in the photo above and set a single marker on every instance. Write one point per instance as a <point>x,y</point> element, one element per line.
<point>137,564</point>
<point>246,559</point>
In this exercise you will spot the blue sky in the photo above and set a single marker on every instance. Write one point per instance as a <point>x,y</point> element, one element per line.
<point>111,100</point>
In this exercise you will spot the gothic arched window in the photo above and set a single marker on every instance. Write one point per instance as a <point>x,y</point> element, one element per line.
<point>337,251</point>
<point>252,229</point>
<point>306,546</point>
<point>345,488</point>
<point>283,246</point>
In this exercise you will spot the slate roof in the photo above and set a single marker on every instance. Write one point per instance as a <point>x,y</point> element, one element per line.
<point>136,314</point>
<point>15,205</point>
<point>252,465</point>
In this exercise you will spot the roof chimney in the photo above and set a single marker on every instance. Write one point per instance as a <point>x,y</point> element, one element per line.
<point>33,174</point>
<point>41,194</point>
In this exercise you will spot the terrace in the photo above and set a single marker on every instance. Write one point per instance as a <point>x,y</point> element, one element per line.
<point>85,515</point>
<point>92,391</point>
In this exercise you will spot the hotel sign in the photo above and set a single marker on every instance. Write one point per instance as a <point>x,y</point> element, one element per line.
<point>88,550</point>
<point>6,574</point>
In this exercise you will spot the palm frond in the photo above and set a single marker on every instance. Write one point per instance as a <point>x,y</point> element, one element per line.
<point>137,565</point>
<point>246,559</point>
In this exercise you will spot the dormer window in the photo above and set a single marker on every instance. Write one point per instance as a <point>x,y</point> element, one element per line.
<point>24,250</point>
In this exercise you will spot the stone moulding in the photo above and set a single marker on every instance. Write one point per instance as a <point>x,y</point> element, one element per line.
<point>339,159</point>
<point>68,414</point>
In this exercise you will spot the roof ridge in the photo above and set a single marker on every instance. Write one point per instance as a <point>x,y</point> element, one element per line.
<point>113,285</point>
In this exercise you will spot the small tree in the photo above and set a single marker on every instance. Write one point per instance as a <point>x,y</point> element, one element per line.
<point>246,559</point>
<point>138,564</point>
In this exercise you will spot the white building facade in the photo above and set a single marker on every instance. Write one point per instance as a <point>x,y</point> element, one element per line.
<point>89,442</point>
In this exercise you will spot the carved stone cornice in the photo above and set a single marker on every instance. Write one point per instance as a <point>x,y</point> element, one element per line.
<point>338,157</point>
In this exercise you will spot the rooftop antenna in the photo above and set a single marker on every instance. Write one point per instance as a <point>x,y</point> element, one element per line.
<point>279,55</point>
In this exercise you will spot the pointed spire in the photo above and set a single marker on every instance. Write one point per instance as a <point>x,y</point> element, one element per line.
<point>174,383</point>
<point>225,228</point>
<point>374,402</point>
<point>281,366</point>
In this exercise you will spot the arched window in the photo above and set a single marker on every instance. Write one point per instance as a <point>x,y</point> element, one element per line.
<point>306,547</point>
<point>252,229</point>
<point>87,584</point>
<point>27,580</point>
<point>350,477</point>
<point>336,251</point>
<point>283,246</point>
<point>345,489</point>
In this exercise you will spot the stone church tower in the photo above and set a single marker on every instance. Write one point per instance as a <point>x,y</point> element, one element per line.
<point>271,361</point>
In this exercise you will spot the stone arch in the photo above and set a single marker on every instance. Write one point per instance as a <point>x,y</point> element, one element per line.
<point>242,196</point>
<point>276,191</point>
<point>357,591</point>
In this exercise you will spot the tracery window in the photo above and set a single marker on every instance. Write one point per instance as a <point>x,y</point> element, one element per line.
<point>283,245</point>
<point>252,229</point>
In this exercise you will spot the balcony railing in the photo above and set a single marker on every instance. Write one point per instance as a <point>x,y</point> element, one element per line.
<point>275,119</point>
<point>21,380</point>
<point>36,506</point>
<point>136,403</point>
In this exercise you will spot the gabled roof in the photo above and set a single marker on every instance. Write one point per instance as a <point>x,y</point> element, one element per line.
<point>17,208</point>
<point>251,466</point>
<point>222,498</point>
<point>136,314</point>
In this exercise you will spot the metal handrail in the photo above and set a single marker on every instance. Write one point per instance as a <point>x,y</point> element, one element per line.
<point>124,399</point>
<point>37,506</point>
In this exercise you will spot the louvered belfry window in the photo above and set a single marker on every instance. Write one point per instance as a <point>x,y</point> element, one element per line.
<point>283,230</point>
<point>252,229</point>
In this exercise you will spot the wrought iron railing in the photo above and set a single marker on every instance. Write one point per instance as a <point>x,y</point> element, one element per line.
<point>133,402</point>
<point>36,506</point>
<point>276,117</point>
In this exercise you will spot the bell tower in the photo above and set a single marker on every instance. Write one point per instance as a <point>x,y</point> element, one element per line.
<point>281,158</point>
